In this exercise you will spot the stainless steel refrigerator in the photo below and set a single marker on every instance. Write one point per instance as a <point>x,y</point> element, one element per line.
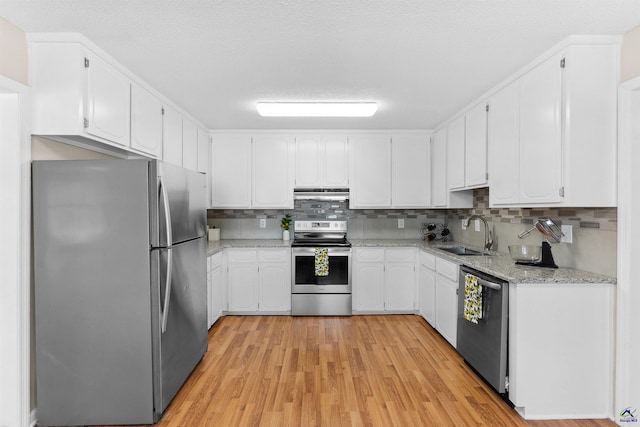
<point>120,288</point>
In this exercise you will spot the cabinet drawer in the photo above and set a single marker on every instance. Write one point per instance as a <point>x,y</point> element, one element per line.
<point>428,260</point>
<point>447,269</point>
<point>242,255</point>
<point>369,254</point>
<point>400,255</point>
<point>273,255</point>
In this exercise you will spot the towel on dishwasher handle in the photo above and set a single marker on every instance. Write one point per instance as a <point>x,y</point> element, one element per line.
<point>472,299</point>
<point>322,262</point>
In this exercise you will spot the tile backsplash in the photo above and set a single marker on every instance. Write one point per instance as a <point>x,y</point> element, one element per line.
<point>594,229</point>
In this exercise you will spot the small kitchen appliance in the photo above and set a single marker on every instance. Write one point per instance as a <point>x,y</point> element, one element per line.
<point>550,230</point>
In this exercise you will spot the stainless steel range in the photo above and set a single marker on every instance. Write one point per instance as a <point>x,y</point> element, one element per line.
<point>321,269</point>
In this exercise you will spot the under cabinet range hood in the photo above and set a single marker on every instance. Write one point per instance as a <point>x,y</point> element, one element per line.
<point>321,194</point>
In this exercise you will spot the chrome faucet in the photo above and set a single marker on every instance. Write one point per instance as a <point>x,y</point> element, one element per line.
<point>488,242</point>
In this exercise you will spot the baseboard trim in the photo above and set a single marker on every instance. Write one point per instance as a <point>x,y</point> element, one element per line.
<point>33,419</point>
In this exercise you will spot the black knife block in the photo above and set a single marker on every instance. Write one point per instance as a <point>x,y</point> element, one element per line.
<point>547,258</point>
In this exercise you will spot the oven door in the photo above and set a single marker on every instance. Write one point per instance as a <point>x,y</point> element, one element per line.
<point>303,274</point>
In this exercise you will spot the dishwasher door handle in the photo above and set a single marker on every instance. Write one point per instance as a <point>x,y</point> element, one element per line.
<point>491,285</point>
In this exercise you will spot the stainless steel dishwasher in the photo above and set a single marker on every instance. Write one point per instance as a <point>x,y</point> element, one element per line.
<point>482,335</point>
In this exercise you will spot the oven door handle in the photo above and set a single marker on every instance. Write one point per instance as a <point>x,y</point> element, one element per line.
<point>311,251</point>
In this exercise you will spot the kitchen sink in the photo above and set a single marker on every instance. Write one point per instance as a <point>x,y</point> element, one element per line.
<point>461,250</point>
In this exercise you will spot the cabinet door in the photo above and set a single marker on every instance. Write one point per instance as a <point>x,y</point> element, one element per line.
<point>272,181</point>
<point>275,287</point>
<point>399,279</point>
<point>427,294</point>
<point>308,161</point>
<point>540,133</point>
<point>368,286</point>
<point>203,150</point>
<point>146,122</point>
<point>231,171</point>
<point>189,145</point>
<point>217,283</point>
<point>439,169</point>
<point>504,146</point>
<point>242,280</point>
<point>447,309</point>
<point>336,162</point>
<point>108,102</point>
<point>411,171</point>
<point>475,146</point>
<point>172,136</point>
<point>455,153</point>
<point>370,169</point>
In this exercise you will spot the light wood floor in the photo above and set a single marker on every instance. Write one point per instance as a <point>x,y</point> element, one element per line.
<point>337,371</point>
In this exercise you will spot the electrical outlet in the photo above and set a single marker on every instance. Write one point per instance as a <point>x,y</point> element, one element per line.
<point>464,227</point>
<point>263,223</point>
<point>400,222</point>
<point>567,230</point>
<point>477,225</point>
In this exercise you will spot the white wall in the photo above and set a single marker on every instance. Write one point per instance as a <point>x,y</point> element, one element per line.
<point>15,220</point>
<point>628,288</point>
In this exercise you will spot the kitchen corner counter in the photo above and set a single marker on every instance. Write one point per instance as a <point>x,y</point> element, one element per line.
<point>498,265</point>
<point>214,246</point>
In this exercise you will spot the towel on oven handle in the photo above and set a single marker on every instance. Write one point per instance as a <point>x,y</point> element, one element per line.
<point>472,299</point>
<point>322,262</point>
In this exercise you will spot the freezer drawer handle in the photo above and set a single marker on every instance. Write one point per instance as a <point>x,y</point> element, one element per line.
<point>167,288</point>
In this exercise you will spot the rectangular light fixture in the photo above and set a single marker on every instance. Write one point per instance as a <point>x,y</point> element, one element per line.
<point>317,109</point>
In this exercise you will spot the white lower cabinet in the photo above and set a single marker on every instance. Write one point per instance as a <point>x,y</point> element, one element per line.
<point>215,282</point>
<point>384,280</point>
<point>446,300</point>
<point>427,287</point>
<point>258,280</point>
<point>561,357</point>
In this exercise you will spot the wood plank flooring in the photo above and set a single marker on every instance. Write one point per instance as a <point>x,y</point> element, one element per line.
<point>337,371</point>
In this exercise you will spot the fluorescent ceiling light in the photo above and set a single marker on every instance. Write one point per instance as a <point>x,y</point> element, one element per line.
<point>317,109</point>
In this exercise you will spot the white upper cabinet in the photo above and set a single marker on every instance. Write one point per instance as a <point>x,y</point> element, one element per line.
<point>504,146</point>
<point>231,171</point>
<point>441,196</point>
<point>475,151</point>
<point>321,161</point>
<point>370,171</point>
<point>455,153</point>
<point>108,99</point>
<point>76,93</point>
<point>439,169</point>
<point>203,151</point>
<point>146,121</point>
<point>272,175</point>
<point>189,145</point>
<point>81,96</point>
<point>172,136</point>
<point>411,180</point>
<point>540,133</point>
<point>552,133</point>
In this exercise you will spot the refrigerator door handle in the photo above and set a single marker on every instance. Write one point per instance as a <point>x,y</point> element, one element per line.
<point>167,287</point>
<point>167,290</point>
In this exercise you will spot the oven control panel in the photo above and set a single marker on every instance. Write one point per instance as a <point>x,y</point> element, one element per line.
<point>320,225</point>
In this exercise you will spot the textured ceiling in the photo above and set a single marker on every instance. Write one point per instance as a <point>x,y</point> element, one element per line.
<point>422,60</point>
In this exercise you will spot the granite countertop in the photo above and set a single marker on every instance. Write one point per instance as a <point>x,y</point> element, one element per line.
<point>498,265</point>
<point>214,246</point>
